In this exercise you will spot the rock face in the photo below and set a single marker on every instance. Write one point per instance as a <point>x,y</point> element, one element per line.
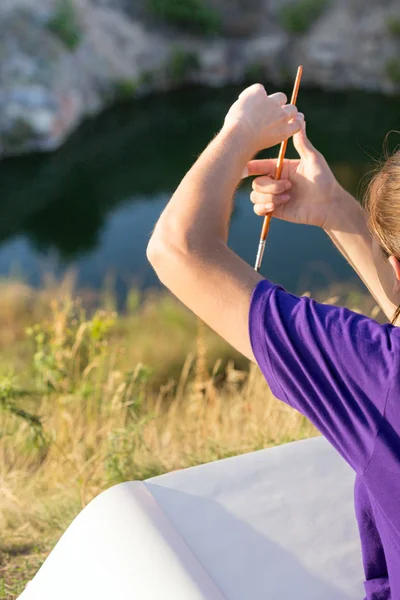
<point>62,60</point>
<point>39,100</point>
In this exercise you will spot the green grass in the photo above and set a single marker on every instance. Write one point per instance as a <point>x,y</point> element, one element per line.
<point>65,24</point>
<point>193,15</point>
<point>297,17</point>
<point>19,562</point>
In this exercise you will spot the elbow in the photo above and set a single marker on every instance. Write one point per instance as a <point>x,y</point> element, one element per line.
<point>171,245</point>
<point>155,252</point>
<point>160,251</point>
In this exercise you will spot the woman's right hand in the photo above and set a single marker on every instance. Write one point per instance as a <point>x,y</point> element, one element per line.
<point>305,193</point>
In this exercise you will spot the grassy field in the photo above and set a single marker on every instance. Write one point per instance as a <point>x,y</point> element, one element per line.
<point>90,398</point>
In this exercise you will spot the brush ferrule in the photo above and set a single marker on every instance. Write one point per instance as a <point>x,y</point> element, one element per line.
<point>260,254</point>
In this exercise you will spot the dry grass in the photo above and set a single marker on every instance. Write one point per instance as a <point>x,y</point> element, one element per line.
<point>121,431</point>
<point>105,417</point>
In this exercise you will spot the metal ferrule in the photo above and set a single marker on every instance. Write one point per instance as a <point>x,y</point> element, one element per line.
<point>260,254</point>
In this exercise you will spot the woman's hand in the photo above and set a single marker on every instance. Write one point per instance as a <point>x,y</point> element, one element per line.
<point>306,192</point>
<point>262,120</point>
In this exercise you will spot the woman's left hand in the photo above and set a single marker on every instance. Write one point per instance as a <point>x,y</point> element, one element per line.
<point>263,120</point>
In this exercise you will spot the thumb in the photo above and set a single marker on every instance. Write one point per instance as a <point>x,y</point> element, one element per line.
<point>303,145</point>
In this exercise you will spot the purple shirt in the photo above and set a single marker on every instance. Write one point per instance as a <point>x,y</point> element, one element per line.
<point>341,370</point>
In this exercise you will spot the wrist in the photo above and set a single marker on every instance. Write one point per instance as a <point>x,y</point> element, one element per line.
<point>343,205</point>
<point>244,140</point>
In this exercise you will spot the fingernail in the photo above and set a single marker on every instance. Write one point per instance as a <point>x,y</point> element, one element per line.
<point>245,172</point>
<point>269,206</point>
<point>288,185</point>
<point>285,197</point>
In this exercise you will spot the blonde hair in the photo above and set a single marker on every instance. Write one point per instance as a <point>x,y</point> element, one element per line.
<point>382,204</point>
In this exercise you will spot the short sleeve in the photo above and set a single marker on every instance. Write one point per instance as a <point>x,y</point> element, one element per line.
<point>331,364</point>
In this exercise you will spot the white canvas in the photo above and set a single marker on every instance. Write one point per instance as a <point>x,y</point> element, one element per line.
<point>278,523</point>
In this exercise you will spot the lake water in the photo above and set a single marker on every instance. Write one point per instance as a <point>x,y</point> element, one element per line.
<point>92,205</point>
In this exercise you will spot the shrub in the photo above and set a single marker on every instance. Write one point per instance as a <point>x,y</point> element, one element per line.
<point>393,69</point>
<point>182,63</point>
<point>11,395</point>
<point>254,72</point>
<point>298,17</point>
<point>190,14</point>
<point>66,346</point>
<point>125,89</point>
<point>65,24</point>
<point>393,25</point>
<point>147,77</point>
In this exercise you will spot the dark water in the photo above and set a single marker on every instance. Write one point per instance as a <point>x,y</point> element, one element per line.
<point>92,205</point>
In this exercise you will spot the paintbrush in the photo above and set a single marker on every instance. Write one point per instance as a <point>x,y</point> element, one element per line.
<point>278,173</point>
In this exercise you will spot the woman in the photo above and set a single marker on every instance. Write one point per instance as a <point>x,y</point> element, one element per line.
<point>337,367</point>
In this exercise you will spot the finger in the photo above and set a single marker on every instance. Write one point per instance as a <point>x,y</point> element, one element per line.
<point>262,200</point>
<point>268,185</point>
<point>264,209</point>
<point>290,111</point>
<point>276,211</point>
<point>302,144</point>
<point>263,166</point>
<point>267,166</point>
<point>279,97</point>
<point>253,89</point>
<point>294,126</point>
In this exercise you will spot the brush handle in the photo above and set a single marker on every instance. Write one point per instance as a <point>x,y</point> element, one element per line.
<point>278,173</point>
<point>277,176</point>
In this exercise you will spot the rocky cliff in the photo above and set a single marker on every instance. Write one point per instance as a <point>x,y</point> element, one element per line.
<point>62,60</point>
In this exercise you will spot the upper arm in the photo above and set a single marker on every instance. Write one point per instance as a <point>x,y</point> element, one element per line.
<point>214,283</point>
<point>333,365</point>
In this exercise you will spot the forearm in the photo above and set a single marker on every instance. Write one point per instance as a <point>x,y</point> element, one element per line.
<point>188,249</point>
<point>199,212</point>
<point>348,230</point>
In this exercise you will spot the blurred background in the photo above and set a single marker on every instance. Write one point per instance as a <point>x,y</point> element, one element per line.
<point>121,96</point>
<point>104,105</point>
